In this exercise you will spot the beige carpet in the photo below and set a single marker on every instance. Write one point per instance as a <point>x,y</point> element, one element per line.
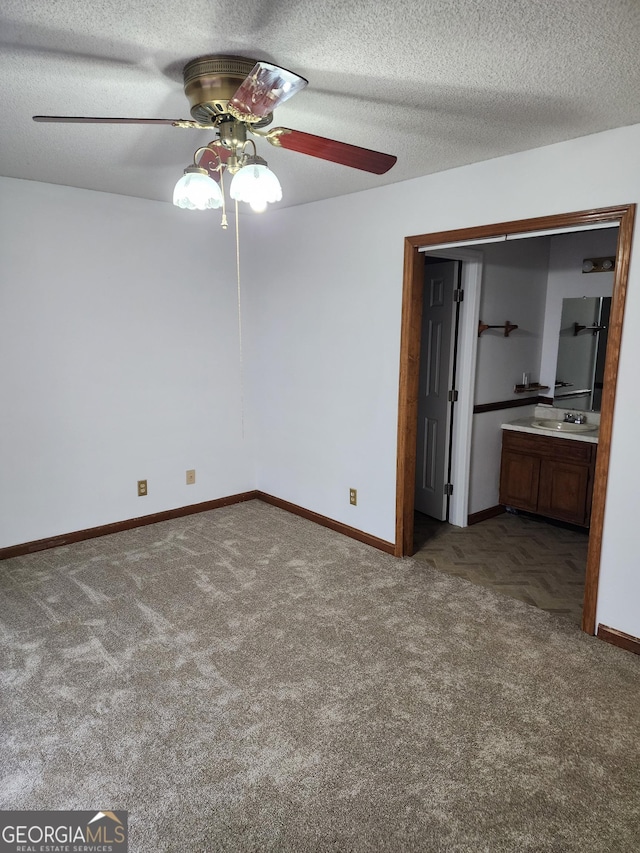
<point>245,680</point>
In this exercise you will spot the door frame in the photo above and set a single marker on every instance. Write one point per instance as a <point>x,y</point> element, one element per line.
<point>410,361</point>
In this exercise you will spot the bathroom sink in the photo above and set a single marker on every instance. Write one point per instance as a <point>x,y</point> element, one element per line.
<point>564,426</point>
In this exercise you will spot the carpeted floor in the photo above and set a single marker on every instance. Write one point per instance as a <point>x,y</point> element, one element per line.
<point>245,680</point>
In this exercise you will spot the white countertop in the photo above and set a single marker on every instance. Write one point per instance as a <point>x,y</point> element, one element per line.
<point>525,425</point>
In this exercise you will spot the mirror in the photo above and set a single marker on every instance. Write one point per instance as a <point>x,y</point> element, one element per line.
<point>582,346</point>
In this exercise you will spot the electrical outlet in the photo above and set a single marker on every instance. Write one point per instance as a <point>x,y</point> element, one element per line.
<point>142,488</point>
<point>353,497</point>
<point>191,476</point>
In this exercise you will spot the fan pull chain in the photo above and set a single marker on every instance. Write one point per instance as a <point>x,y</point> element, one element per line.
<point>224,222</point>
<point>239,320</point>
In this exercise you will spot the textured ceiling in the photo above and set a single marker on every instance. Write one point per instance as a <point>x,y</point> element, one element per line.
<point>439,83</point>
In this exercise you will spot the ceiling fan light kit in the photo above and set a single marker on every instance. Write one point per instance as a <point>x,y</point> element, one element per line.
<point>235,95</point>
<point>253,182</point>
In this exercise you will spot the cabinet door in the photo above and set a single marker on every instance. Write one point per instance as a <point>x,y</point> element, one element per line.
<point>519,479</point>
<point>564,491</point>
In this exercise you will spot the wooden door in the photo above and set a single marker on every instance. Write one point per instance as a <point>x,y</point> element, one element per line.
<point>564,491</point>
<point>519,480</point>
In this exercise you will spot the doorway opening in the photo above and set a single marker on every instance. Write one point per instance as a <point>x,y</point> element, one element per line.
<point>410,353</point>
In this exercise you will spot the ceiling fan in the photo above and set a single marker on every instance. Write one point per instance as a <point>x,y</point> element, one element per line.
<point>236,95</point>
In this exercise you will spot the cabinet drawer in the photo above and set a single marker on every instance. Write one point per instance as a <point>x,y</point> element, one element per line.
<point>547,447</point>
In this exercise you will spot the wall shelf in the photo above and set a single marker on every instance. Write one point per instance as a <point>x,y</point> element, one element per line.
<point>577,328</point>
<point>534,386</point>
<point>508,328</point>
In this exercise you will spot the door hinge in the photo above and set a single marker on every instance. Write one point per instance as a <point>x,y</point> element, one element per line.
<point>452,396</point>
<point>448,489</point>
<point>458,295</point>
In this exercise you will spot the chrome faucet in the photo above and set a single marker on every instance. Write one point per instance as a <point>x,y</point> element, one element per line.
<point>573,418</point>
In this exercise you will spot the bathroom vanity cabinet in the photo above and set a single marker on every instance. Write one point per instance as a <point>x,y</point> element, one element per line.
<point>549,476</point>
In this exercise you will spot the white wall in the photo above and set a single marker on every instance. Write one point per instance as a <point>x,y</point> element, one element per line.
<point>514,283</point>
<point>119,354</point>
<point>326,321</point>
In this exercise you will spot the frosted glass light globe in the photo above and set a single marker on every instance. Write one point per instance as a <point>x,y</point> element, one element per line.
<point>256,184</point>
<point>197,191</point>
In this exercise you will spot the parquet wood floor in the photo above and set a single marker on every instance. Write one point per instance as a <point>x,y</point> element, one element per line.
<point>526,558</point>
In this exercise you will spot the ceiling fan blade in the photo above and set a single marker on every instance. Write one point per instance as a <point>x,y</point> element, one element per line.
<point>328,149</point>
<point>265,87</point>
<point>176,122</point>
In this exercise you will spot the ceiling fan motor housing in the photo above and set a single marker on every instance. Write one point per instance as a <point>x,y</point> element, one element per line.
<point>211,81</point>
